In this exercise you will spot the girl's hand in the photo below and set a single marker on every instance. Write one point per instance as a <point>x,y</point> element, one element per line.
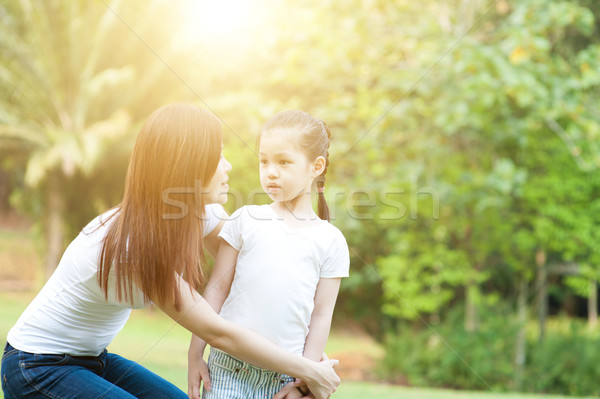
<point>289,391</point>
<point>324,383</point>
<point>197,373</point>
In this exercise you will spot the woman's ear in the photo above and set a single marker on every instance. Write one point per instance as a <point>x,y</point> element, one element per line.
<point>318,166</point>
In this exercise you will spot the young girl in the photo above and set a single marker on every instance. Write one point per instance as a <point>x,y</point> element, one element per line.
<point>149,248</point>
<point>279,266</point>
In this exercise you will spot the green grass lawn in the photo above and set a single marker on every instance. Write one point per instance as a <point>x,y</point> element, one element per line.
<point>158,343</point>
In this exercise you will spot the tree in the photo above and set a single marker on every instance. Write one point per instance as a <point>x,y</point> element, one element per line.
<point>489,110</point>
<point>69,97</point>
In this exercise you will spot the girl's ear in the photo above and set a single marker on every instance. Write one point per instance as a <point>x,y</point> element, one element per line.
<point>318,166</point>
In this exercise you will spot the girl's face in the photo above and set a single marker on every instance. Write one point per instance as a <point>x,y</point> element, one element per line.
<point>285,171</point>
<point>217,188</point>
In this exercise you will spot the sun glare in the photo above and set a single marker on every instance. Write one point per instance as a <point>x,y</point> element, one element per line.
<point>220,22</point>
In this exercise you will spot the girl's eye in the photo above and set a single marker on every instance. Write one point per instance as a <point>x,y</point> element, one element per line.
<point>263,162</point>
<point>284,162</point>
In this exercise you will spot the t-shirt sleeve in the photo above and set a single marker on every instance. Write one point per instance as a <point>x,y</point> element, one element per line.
<point>337,258</point>
<point>232,229</point>
<point>213,214</point>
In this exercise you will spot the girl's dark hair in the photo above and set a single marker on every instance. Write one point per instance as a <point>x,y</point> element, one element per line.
<point>314,138</point>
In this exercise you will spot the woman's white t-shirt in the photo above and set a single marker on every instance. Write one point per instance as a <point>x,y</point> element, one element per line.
<point>277,272</point>
<point>71,314</point>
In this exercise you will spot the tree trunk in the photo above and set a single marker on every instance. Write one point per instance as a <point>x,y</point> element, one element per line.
<point>5,189</point>
<point>541,288</point>
<point>55,232</point>
<point>593,304</point>
<point>520,345</point>
<point>471,323</point>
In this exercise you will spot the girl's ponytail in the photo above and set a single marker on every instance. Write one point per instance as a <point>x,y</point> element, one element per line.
<point>323,208</point>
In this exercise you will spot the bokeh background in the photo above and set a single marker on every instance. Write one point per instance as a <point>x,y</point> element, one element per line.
<point>464,161</point>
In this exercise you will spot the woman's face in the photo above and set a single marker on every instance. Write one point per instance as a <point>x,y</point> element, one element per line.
<point>217,188</point>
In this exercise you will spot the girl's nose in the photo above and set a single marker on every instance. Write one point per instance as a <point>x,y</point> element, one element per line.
<point>227,166</point>
<point>271,171</point>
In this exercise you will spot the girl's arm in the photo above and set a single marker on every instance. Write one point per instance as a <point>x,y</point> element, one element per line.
<point>197,316</point>
<point>215,294</point>
<point>211,241</point>
<point>320,320</point>
<point>320,323</point>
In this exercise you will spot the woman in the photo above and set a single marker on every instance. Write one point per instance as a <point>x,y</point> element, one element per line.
<point>149,248</point>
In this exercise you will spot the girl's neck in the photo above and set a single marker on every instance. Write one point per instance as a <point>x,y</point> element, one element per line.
<point>297,211</point>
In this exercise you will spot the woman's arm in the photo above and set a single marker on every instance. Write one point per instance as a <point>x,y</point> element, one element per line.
<point>215,294</point>
<point>197,316</point>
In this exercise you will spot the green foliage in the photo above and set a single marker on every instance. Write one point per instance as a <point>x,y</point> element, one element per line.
<point>565,363</point>
<point>447,356</point>
<point>496,131</point>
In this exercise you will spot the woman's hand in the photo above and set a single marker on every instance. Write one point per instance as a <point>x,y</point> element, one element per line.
<point>324,383</point>
<point>290,391</point>
<point>197,373</point>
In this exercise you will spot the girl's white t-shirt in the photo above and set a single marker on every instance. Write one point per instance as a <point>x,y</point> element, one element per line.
<point>71,314</point>
<point>277,272</point>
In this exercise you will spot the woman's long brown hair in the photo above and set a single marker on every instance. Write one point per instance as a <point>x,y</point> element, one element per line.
<point>158,231</point>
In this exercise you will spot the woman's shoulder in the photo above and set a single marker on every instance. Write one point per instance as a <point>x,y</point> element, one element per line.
<point>214,211</point>
<point>101,221</point>
<point>213,215</point>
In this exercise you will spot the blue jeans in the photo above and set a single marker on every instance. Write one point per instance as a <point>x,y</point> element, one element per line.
<point>231,378</point>
<point>28,375</point>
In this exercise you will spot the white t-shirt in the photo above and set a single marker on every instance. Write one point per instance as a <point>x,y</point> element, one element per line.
<point>277,272</point>
<point>70,314</point>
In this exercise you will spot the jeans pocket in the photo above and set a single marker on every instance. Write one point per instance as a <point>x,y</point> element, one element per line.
<point>224,362</point>
<point>232,368</point>
<point>284,380</point>
<point>9,353</point>
<point>39,360</point>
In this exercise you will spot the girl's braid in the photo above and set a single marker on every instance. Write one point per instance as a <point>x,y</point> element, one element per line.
<point>321,179</point>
